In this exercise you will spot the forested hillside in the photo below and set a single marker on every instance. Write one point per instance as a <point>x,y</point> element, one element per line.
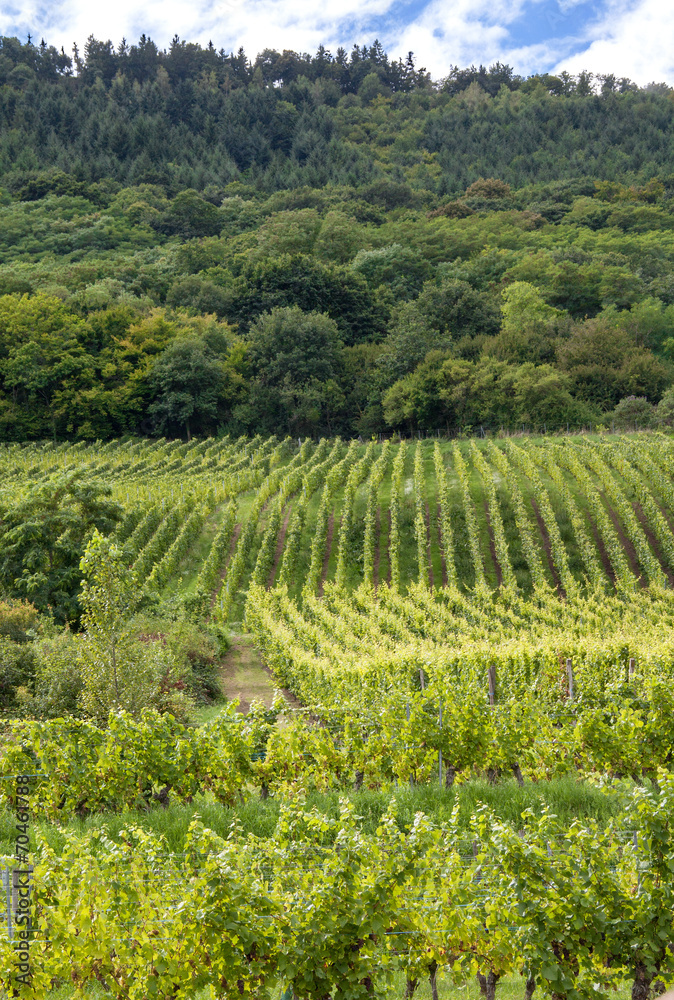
<point>193,241</point>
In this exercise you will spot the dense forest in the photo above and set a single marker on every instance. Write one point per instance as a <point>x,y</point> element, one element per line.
<point>191,241</point>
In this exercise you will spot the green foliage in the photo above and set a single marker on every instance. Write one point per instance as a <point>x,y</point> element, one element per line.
<point>395,212</point>
<point>447,315</point>
<point>530,327</point>
<point>285,280</point>
<point>634,411</point>
<point>190,388</point>
<point>444,392</point>
<point>297,369</point>
<point>58,685</point>
<point>194,650</point>
<point>119,669</point>
<point>17,672</point>
<point>606,364</point>
<point>44,534</point>
<point>398,268</point>
<point>188,216</point>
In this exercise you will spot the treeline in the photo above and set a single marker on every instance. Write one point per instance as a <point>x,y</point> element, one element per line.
<point>346,315</point>
<point>190,61</point>
<point>327,244</point>
<point>198,117</point>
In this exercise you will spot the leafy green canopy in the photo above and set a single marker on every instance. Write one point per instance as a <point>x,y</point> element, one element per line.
<point>159,209</point>
<point>43,536</point>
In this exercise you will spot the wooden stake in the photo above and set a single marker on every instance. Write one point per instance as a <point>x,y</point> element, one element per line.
<point>569,675</point>
<point>407,709</point>
<point>422,679</point>
<point>631,667</point>
<point>492,685</point>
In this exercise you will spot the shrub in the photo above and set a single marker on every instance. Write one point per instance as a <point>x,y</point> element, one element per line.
<point>633,411</point>
<point>16,619</point>
<point>665,409</point>
<point>58,678</point>
<point>452,210</point>
<point>17,670</point>
<point>489,187</point>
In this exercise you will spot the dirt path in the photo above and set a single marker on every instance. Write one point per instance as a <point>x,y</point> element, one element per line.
<point>232,546</point>
<point>375,567</point>
<point>388,575</point>
<point>246,677</point>
<point>653,542</point>
<point>328,550</point>
<point>603,554</point>
<point>664,511</point>
<point>431,580</point>
<point>630,551</point>
<point>548,548</point>
<point>278,552</point>
<point>442,549</point>
<point>492,547</point>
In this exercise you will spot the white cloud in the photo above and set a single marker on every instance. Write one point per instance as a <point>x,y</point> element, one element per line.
<point>633,38</point>
<point>630,40</point>
<point>467,33</point>
<point>255,24</point>
<point>457,32</point>
<point>447,34</point>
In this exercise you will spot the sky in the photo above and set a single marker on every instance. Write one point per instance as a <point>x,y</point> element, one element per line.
<point>632,38</point>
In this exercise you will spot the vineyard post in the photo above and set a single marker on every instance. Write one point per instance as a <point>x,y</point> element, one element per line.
<point>492,684</point>
<point>630,668</point>
<point>407,710</point>
<point>422,679</point>
<point>440,749</point>
<point>569,674</point>
<point>7,886</point>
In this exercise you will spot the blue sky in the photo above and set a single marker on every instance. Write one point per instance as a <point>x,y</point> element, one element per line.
<point>633,38</point>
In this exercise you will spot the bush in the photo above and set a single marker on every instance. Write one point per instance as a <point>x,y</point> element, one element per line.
<point>17,670</point>
<point>489,187</point>
<point>665,409</point>
<point>633,412</point>
<point>452,210</point>
<point>194,652</point>
<point>17,618</point>
<point>58,678</point>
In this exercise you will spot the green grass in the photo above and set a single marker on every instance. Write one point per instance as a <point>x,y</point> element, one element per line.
<point>408,543</point>
<point>191,565</point>
<point>408,550</point>
<point>384,566</point>
<point>449,988</point>
<point>208,712</point>
<point>568,798</point>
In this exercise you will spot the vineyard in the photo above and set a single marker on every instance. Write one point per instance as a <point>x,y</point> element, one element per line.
<point>432,612</point>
